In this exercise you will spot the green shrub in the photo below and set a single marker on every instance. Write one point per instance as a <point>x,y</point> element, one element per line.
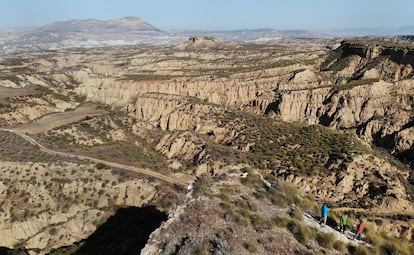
<point>292,194</point>
<point>253,207</point>
<point>200,186</point>
<point>239,203</point>
<point>301,232</point>
<point>252,248</point>
<point>259,194</point>
<point>168,201</point>
<point>252,180</point>
<point>374,238</point>
<point>296,213</point>
<point>259,223</point>
<point>340,64</point>
<point>339,245</point>
<point>241,218</point>
<point>204,252</point>
<point>270,178</point>
<point>326,240</point>
<point>279,200</point>
<point>310,204</point>
<point>355,83</point>
<point>223,196</point>
<point>64,251</point>
<point>398,247</point>
<point>281,221</point>
<point>359,250</point>
<point>101,166</point>
<point>147,77</point>
<point>383,243</point>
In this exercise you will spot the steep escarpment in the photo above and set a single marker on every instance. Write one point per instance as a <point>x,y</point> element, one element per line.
<point>379,112</point>
<point>213,140</point>
<point>398,53</point>
<point>385,60</point>
<point>239,92</point>
<point>373,95</point>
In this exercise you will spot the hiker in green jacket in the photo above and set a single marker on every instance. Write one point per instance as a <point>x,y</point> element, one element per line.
<point>343,223</point>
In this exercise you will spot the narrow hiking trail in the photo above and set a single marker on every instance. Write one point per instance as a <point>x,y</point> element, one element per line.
<point>348,237</point>
<point>144,171</point>
<point>309,220</point>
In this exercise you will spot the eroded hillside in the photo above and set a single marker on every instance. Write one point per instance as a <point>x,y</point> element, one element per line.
<point>89,130</point>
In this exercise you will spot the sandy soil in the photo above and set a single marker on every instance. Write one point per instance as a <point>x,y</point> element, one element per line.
<point>54,120</point>
<point>12,92</point>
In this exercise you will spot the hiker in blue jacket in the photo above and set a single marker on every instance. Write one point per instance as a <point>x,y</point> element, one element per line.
<point>324,214</point>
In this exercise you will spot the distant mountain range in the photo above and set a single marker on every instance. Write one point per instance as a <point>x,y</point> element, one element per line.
<point>377,31</point>
<point>85,33</point>
<point>134,31</point>
<point>123,25</point>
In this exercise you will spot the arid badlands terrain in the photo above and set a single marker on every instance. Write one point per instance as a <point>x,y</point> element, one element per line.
<point>207,148</point>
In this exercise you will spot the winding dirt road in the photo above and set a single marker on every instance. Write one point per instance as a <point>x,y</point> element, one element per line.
<point>144,171</point>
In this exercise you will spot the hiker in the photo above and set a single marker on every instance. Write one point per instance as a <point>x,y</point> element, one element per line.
<point>360,229</point>
<point>324,214</point>
<point>343,223</point>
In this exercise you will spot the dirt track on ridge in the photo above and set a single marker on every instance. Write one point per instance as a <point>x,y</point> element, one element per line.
<point>144,171</point>
<point>13,92</point>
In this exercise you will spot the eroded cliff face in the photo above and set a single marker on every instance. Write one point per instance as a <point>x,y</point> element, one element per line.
<point>386,104</point>
<point>363,87</point>
<point>46,206</point>
<point>401,54</point>
<point>378,107</point>
<point>203,111</point>
<point>237,92</point>
<point>345,183</point>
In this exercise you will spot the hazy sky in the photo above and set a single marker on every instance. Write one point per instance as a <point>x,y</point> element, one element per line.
<point>216,14</point>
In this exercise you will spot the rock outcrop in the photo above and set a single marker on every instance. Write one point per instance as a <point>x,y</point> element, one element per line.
<point>201,42</point>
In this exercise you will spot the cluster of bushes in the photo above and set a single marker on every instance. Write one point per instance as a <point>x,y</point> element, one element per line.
<point>15,148</point>
<point>355,83</point>
<point>331,58</point>
<point>304,234</point>
<point>308,149</point>
<point>119,151</point>
<point>201,185</point>
<point>242,211</point>
<point>148,77</point>
<point>385,244</point>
